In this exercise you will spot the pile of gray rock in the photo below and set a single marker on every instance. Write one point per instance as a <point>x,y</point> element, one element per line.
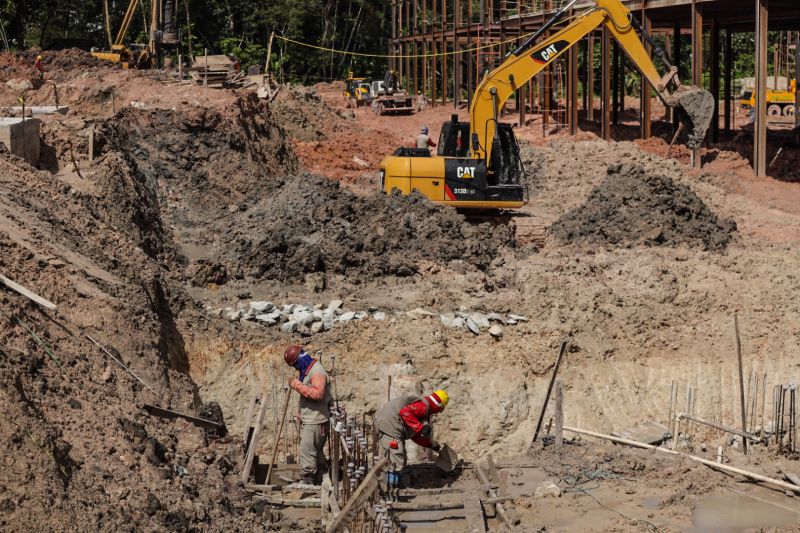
<point>296,318</point>
<point>479,322</point>
<point>312,319</point>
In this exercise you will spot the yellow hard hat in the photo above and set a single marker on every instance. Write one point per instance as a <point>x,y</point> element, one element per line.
<point>443,396</point>
<point>38,57</point>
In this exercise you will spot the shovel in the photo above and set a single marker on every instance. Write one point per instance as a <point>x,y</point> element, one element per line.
<point>447,459</point>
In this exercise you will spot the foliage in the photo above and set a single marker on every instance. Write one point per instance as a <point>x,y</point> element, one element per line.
<point>247,53</point>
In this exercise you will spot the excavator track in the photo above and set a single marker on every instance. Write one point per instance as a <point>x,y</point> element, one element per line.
<point>528,230</point>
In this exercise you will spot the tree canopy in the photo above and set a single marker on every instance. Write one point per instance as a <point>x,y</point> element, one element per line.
<point>241,27</point>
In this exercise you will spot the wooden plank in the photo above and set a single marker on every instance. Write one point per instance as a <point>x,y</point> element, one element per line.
<point>27,293</point>
<point>476,521</point>
<point>559,440</point>
<point>358,498</point>
<point>248,419</point>
<point>251,450</point>
<point>204,423</point>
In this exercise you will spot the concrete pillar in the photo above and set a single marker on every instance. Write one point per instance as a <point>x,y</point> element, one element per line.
<point>21,137</point>
<point>415,49</point>
<point>605,85</point>
<point>760,131</point>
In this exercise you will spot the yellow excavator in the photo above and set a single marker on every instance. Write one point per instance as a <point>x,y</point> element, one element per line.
<point>478,166</point>
<point>120,53</point>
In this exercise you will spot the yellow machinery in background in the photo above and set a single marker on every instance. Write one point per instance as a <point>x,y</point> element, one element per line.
<point>778,102</point>
<point>161,34</point>
<point>478,165</point>
<point>357,91</point>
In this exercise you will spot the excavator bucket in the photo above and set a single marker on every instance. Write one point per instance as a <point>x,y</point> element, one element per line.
<point>697,110</point>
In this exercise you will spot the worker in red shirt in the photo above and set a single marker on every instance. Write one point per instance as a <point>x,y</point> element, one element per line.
<point>38,66</point>
<point>313,411</point>
<point>407,417</point>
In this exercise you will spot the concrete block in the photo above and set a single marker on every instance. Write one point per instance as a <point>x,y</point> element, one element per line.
<point>21,137</point>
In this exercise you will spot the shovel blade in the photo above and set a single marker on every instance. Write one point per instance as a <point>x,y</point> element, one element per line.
<point>696,107</point>
<point>447,459</point>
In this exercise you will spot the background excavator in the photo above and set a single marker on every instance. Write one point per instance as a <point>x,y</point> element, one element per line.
<point>162,35</point>
<point>478,165</point>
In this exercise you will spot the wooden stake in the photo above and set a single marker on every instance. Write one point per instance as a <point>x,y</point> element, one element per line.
<point>549,390</point>
<point>741,379</point>
<point>713,464</point>
<point>28,294</point>
<point>269,53</point>
<point>278,436</point>
<point>251,449</point>
<point>559,414</point>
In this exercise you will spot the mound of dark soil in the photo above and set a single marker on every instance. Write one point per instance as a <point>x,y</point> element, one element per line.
<point>632,207</point>
<point>311,225</point>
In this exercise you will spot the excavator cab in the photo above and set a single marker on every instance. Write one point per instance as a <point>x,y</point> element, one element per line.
<point>454,176</point>
<point>506,165</point>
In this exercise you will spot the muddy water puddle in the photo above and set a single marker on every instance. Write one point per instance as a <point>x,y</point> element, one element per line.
<point>738,512</point>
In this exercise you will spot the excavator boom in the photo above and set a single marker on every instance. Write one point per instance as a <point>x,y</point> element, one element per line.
<point>528,60</point>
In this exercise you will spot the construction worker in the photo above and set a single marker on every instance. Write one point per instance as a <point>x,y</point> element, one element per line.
<point>423,139</point>
<point>406,417</point>
<point>313,411</point>
<point>38,66</point>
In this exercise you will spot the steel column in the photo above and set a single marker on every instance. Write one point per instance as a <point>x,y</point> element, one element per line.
<point>676,60</point>
<point>645,101</point>
<point>615,85</point>
<point>728,78</point>
<point>760,131</point>
<point>444,52</point>
<point>572,88</point>
<point>797,80</point>
<point>605,83</point>
<point>697,62</point>
<point>589,89</point>
<point>714,85</point>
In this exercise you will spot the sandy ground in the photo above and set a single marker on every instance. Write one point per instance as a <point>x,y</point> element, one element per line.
<point>139,248</point>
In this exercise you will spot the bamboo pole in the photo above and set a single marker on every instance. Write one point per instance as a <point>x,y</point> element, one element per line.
<point>741,379</point>
<point>549,390</point>
<point>278,436</point>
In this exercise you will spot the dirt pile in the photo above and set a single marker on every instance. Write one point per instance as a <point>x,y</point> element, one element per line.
<point>57,64</point>
<point>79,449</point>
<point>304,115</point>
<point>632,206</point>
<point>311,224</point>
<point>210,173</point>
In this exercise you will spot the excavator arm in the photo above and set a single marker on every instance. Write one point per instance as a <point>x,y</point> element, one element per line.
<point>528,60</point>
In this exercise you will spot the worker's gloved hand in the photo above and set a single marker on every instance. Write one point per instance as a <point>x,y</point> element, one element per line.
<point>293,383</point>
<point>426,431</point>
<point>435,446</point>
